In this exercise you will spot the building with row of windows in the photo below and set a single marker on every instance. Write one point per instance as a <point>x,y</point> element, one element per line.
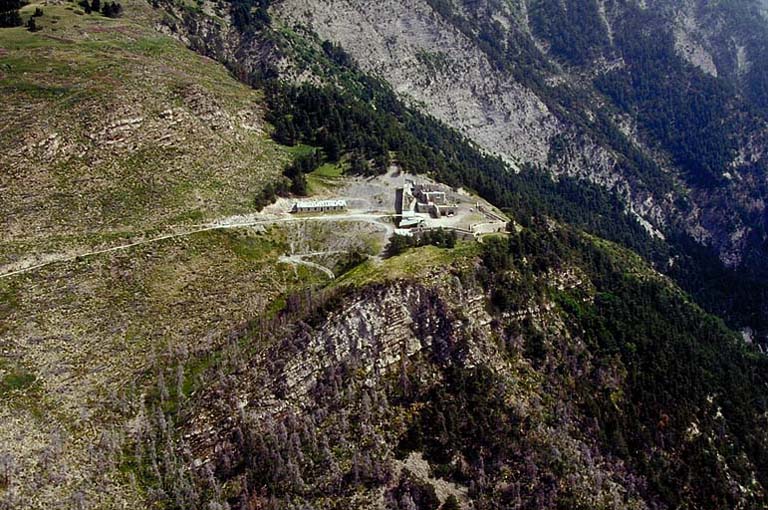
<point>319,206</point>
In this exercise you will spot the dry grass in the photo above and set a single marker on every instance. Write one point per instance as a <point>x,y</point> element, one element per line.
<point>111,131</point>
<point>87,332</point>
<point>110,128</point>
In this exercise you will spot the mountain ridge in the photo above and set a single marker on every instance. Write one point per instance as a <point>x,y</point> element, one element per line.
<point>506,86</point>
<point>540,367</point>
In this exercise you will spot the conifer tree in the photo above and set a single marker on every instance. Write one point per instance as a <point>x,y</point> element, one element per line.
<point>9,13</point>
<point>10,19</point>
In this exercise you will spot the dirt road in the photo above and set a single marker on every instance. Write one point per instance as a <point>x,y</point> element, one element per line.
<point>221,224</point>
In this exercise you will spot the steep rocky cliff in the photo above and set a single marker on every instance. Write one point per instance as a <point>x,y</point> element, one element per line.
<point>519,82</point>
<point>484,382</point>
<point>659,103</point>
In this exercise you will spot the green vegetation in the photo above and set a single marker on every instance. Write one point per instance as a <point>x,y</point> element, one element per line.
<point>411,263</point>
<point>581,365</point>
<point>15,379</point>
<point>298,169</point>
<point>437,62</point>
<point>671,353</point>
<point>121,316</point>
<point>451,503</point>
<point>372,127</point>
<point>326,176</point>
<point>9,13</point>
<point>250,15</point>
<point>433,237</point>
<point>108,9</point>
<point>336,122</point>
<point>247,245</point>
<point>9,301</point>
<point>300,150</point>
<point>573,28</point>
<point>328,171</point>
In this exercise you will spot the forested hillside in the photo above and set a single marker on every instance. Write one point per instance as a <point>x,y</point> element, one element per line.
<point>545,370</point>
<point>649,102</point>
<point>171,337</point>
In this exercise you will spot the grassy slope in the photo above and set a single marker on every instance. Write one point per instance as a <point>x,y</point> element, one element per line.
<point>325,177</point>
<point>110,128</point>
<point>424,262</point>
<point>109,131</point>
<point>81,336</point>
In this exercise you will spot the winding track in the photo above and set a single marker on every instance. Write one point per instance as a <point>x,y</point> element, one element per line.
<point>296,259</point>
<point>223,224</point>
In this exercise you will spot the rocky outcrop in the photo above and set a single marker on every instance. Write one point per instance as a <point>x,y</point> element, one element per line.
<point>373,337</point>
<point>430,62</point>
<point>377,330</point>
<point>441,69</point>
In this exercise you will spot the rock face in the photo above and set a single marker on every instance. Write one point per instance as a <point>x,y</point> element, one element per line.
<point>689,43</point>
<point>378,330</point>
<point>430,62</point>
<point>343,369</point>
<point>437,57</point>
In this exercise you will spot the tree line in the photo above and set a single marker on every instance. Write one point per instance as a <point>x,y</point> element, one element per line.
<point>108,9</point>
<point>9,13</point>
<point>442,238</point>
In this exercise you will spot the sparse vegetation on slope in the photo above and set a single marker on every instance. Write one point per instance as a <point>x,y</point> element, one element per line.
<point>85,334</point>
<point>112,128</point>
<point>112,132</point>
<point>496,373</point>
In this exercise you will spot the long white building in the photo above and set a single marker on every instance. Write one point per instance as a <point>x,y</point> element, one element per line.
<point>307,206</point>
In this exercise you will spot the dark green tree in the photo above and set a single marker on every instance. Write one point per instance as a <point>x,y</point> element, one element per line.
<point>9,5</point>
<point>451,503</point>
<point>111,9</point>
<point>332,148</point>
<point>359,165</point>
<point>10,19</point>
<point>9,13</point>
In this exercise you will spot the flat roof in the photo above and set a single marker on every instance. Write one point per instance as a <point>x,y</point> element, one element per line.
<point>302,204</point>
<point>411,222</point>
